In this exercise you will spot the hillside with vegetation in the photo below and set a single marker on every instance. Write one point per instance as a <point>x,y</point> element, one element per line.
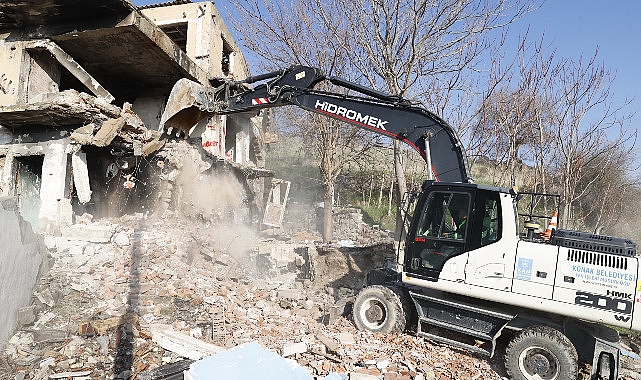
<point>368,184</point>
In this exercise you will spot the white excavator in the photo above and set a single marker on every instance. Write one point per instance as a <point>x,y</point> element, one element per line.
<point>476,264</point>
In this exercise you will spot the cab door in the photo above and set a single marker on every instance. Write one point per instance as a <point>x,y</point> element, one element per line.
<point>439,231</point>
<point>491,256</point>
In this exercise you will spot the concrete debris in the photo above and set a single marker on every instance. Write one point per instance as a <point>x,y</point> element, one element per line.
<point>330,344</point>
<point>65,375</point>
<point>167,371</point>
<point>108,131</point>
<point>93,233</point>
<point>83,135</point>
<point>181,344</point>
<point>81,177</point>
<point>294,348</point>
<point>177,291</point>
<point>26,315</point>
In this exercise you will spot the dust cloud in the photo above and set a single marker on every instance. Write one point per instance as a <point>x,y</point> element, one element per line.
<point>215,197</point>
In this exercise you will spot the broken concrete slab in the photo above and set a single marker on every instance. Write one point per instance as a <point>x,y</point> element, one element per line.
<point>294,348</point>
<point>184,345</point>
<point>83,135</point>
<point>167,371</point>
<point>81,177</point>
<point>331,344</point>
<point>152,146</point>
<point>68,374</point>
<point>65,108</point>
<point>363,376</point>
<point>346,338</point>
<point>95,233</point>
<point>49,335</point>
<point>290,294</point>
<point>108,131</point>
<point>26,315</point>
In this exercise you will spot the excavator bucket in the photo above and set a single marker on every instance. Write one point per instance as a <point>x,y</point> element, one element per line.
<point>186,106</point>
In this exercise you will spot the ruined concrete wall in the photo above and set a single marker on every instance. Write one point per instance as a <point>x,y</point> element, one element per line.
<point>28,75</point>
<point>22,259</point>
<point>209,42</point>
<point>55,205</point>
<point>11,55</point>
<point>206,39</point>
<point>150,110</point>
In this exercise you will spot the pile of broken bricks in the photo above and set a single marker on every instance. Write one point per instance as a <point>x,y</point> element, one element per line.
<point>142,297</point>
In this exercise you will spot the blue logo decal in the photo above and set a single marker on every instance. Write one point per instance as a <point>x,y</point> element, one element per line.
<point>524,269</point>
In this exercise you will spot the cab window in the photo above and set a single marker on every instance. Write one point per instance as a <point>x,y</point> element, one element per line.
<point>441,230</point>
<point>445,216</point>
<point>490,225</point>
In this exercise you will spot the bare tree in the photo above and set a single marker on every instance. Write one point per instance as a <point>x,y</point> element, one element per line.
<point>589,130</point>
<point>513,121</point>
<point>393,45</point>
<point>398,45</point>
<point>601,206</point>
<point>283,33</point>
<point>557,116</point>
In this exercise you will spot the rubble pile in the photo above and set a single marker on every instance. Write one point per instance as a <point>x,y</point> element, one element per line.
<point>142,297</point>
<point>114,283</point>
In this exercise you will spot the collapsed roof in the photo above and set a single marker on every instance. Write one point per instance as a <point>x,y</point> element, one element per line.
<point>109,46</point>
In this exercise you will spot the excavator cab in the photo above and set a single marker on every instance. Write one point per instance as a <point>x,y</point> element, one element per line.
<point>450,219</point>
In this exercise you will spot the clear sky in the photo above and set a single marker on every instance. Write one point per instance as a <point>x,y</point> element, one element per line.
<point>579,27</point>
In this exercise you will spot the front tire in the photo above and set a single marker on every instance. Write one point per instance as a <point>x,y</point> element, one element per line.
<point>380,309</point>
<point>541,353</point>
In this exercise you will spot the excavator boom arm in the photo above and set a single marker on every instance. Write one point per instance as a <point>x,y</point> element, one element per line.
<point>380,113</point>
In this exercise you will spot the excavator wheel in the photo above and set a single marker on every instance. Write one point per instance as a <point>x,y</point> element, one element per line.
<point>541,353</point>
<point>381,309</point>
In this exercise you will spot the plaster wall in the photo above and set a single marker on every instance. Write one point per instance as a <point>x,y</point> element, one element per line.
<point>55,206</point>
<point>11,54</point>
<point>207,37</point>
<point>150,109</point>
<point>22,259</point>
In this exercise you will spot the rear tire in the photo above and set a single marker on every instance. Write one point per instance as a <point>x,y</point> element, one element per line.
<point>380,309</point>
<point>541,353</point>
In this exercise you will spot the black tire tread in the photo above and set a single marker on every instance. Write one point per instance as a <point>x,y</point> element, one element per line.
<point>547,336</point>
<point>396,305</point>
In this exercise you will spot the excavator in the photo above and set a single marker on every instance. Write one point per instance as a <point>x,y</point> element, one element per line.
<point>476,268</point>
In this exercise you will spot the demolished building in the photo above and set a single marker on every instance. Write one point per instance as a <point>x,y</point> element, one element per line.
<point>82,88</point>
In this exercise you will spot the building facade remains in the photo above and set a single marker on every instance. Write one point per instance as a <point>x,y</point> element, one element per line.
<point>82,88</point>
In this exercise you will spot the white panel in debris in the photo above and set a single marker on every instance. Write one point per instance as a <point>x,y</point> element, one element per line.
<point>247,361</point>
<point>184,345</point>
<point>81,177</point>
<point>53,185</point>
<point>213,138</point>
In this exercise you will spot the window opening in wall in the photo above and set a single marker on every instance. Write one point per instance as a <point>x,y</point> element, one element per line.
<point>226,61</point>
<point>28,181</point>
<point>69,82</point>
<point>46,76</point>
<point>178,33</point>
